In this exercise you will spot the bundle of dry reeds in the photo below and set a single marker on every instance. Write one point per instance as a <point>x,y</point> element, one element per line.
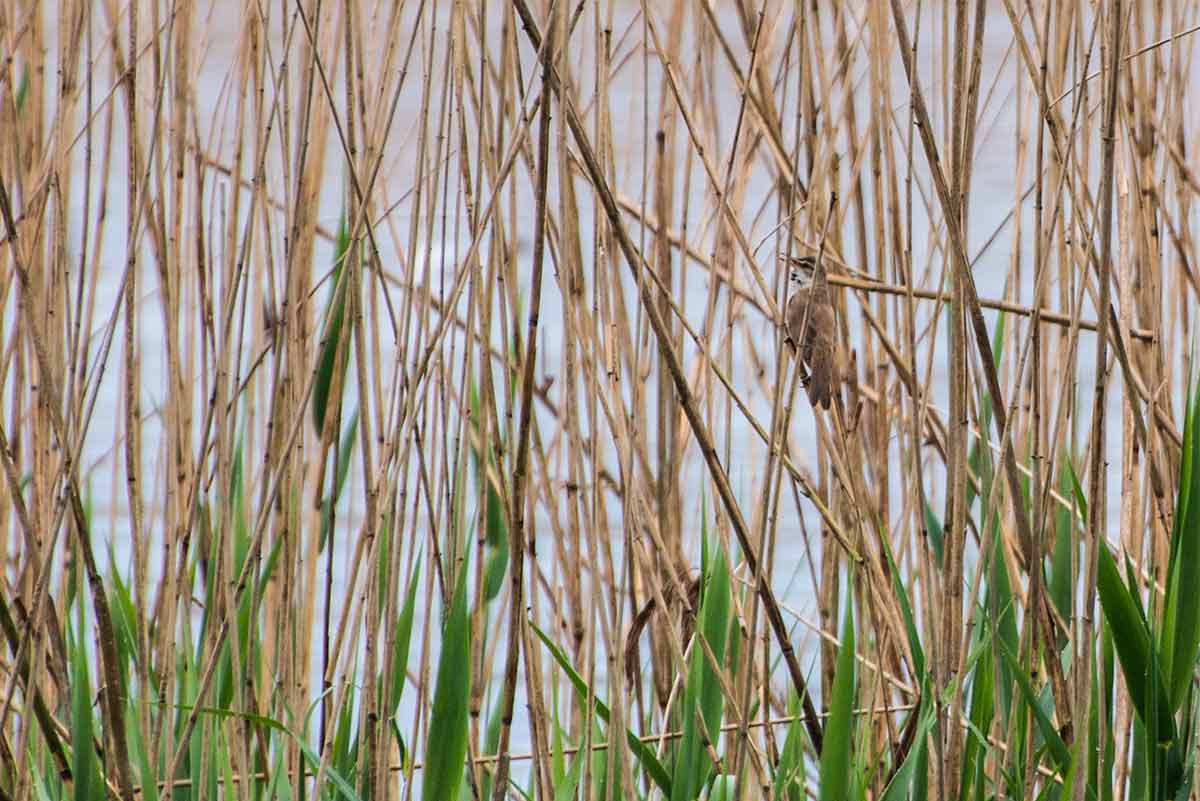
<point>395,400</point>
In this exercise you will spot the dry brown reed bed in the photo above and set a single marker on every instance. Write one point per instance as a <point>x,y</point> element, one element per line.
<point>548,361</point>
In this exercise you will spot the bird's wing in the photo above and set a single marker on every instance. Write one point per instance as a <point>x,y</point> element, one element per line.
<point>794,317</point>
<point>820,354</point>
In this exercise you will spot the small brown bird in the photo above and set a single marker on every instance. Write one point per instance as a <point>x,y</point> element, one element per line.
<point>811,329</point>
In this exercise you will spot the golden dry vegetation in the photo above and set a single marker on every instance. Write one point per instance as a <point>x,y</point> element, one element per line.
<point>393,401</point>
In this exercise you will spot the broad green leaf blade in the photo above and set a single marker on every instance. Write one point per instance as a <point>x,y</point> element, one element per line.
<point>495,522</point>
<point>1001,619</point>
<point>906,612</point>
<point>982,709</point>
<point>446,745</point>
<point>901,783</point>
<point>403,639</point>
<point>692,766</point>
<point>715,622</point>
<point>789,773</point>
<point>1062,580</point>
<point>345,451</point>
<point>723,788</point>
<point>1050,735</point>
<point>146,768</point>
<point>564,790</point>
<point>85,767</point>
<point>331,333</point>
<point>643,753</point>
<point>1181,623</point>
<point>1132,640</point>
<point>345,746</point>
<point>1077,489</point>
<point>836,750</point>
<point>496,570</point>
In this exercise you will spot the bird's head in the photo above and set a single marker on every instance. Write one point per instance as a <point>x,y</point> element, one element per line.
<point>802,271</point>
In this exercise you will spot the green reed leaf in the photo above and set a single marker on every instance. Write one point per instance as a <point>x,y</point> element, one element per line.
<point>836,751</point>
<point>703,692</point>
<point>446,744</point>
<point>331,333</point>
<point>85,768</point>
<point>645,756</point>
<point>1135,650</point>
<point>1181,614</point>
